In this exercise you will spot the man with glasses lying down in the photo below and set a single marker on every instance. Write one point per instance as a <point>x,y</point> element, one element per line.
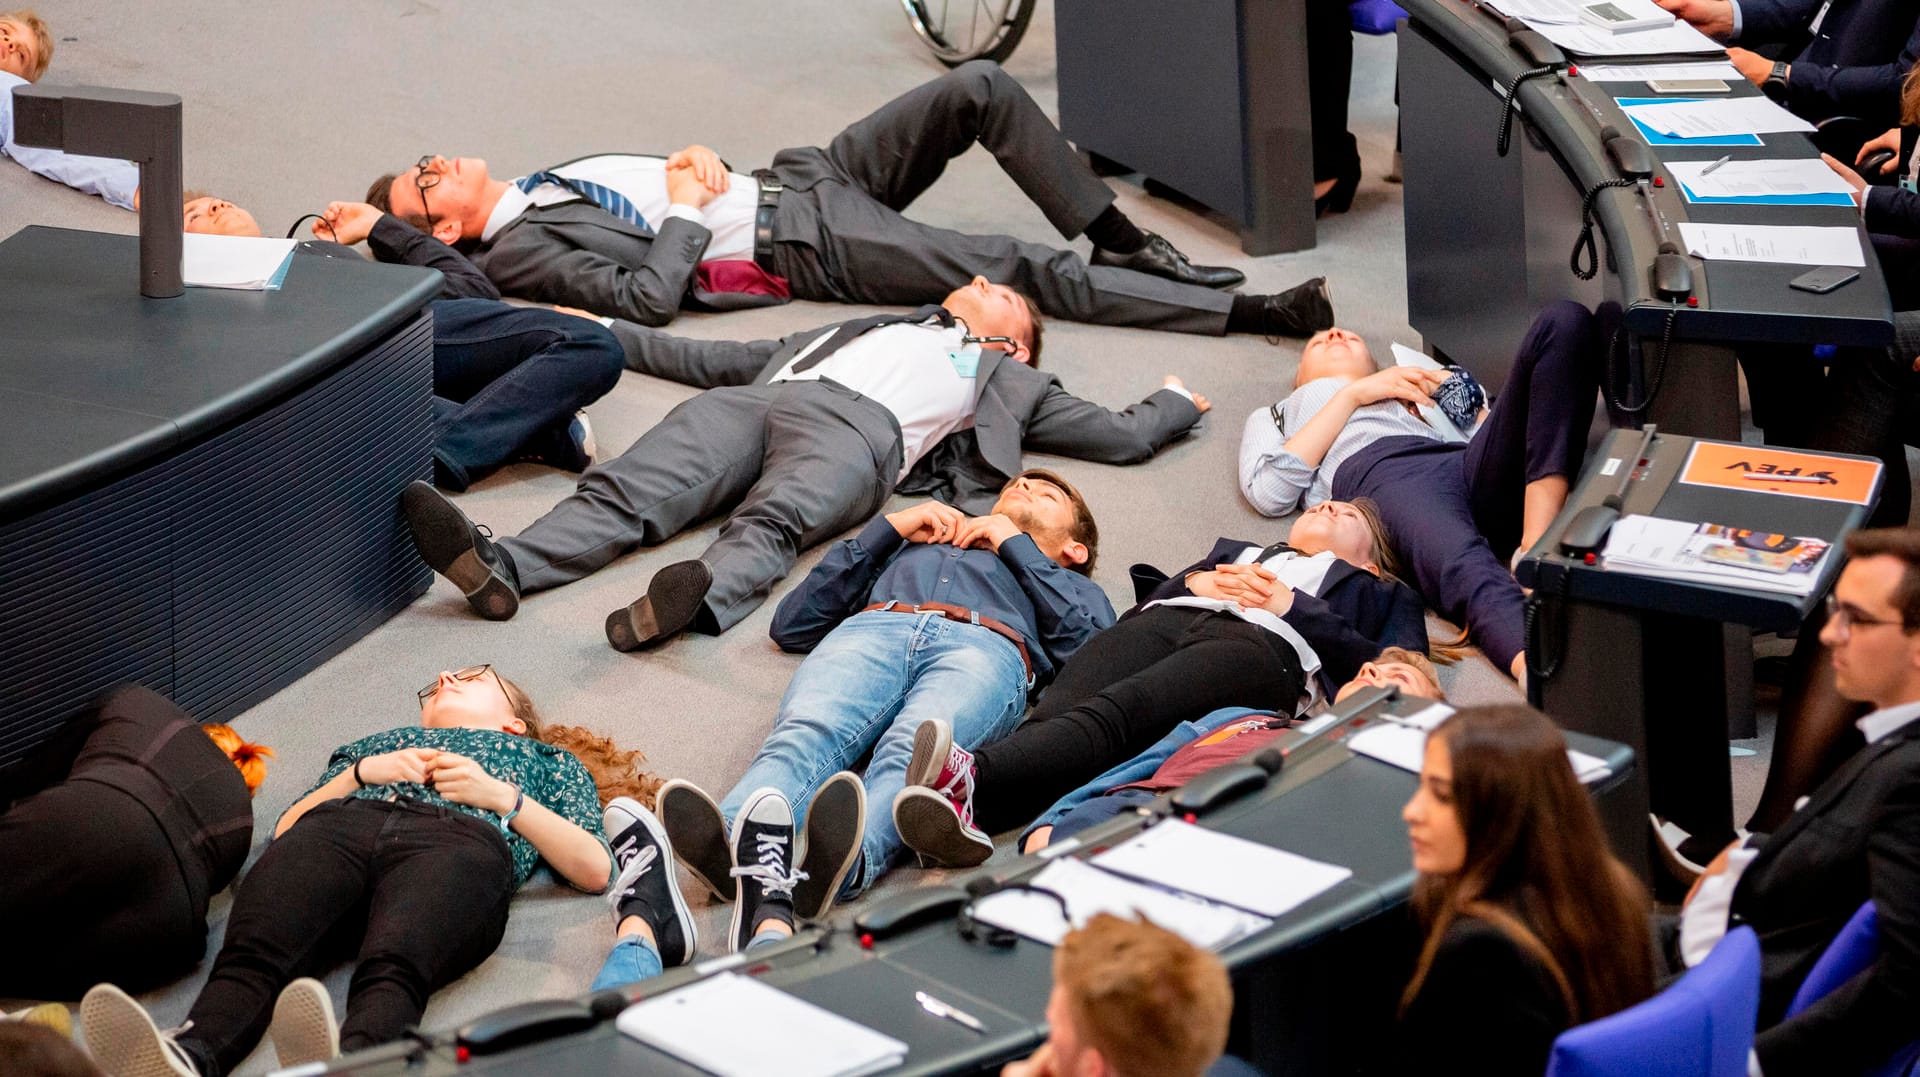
<point>641,238</point>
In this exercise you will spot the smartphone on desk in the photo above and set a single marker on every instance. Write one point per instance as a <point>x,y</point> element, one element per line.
<point>1824,279</point>
<point>1687,86</point>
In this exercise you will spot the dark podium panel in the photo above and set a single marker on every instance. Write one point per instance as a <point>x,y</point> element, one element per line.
<point>198,494</point>
<point>1206,96</point>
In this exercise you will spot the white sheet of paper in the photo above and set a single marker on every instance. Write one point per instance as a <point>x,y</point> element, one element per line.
<point>242,262</point>
<point>1785,244</point>
<point>1712,69</point>
<point>702,1023</point>
<point>1399,746</point>
<point>1220,867</point>
<point>1746,179</point>
<point>1584,40</point>
<point>1088,891</point>
<point>1707,119</point>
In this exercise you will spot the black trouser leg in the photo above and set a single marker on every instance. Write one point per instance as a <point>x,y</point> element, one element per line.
<point>896,153</point>
<point>1329,85</point>
<point>308,880</point>
<point>1128,686</point>
<point>441,885</point>
<point>1538,426</point>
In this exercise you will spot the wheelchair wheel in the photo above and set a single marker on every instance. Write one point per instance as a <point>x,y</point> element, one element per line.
<point>960,30</point>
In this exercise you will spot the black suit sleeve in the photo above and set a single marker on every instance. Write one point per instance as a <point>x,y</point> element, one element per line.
<point>1343,647</point>
<point>1069,426</point>
<point>1893,211</point>
<point>1868,91</point>
<point>394,240</point>
<point>1864,1020</point>
<point>524,263</point>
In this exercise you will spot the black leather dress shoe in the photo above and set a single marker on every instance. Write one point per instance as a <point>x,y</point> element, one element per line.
<point>1159,258</point>
<point>1300,311</point>
<point>451,545</point>
<point>673,599</point>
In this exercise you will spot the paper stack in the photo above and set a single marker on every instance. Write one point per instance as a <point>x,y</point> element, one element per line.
<point>702,1024</point>
<point>1716,555</point>
<point>240,262</point>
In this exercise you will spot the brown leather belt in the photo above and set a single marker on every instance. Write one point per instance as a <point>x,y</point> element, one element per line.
<point>964,616</point>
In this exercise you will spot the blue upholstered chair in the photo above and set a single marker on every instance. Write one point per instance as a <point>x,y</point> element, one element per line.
<point>1848,955</point>
<point>1700,1026</point>
<point>1376,17</point>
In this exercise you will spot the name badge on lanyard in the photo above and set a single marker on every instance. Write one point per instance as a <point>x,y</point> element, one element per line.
<point>966,360</point>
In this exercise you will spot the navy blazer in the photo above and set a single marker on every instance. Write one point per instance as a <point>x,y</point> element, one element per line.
<point>1355,616</point>
<point>1852,67</point>
<point>1858,837</point>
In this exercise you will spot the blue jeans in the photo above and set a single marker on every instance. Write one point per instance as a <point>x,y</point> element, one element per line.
<point>503,375</point>
<point>633,959</point>
<point>868,686</point>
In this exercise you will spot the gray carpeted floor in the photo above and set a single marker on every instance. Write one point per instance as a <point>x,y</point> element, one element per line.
<point>290,104</point>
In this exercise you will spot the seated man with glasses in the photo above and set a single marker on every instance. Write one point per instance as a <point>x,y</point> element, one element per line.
<point>1857,838</point>
<point>509,383</point>
<point>640,237</point>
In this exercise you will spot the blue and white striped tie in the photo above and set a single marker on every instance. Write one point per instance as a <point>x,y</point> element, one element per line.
<point>605,197</point>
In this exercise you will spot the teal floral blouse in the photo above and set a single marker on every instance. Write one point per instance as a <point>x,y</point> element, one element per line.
<point>543,772</point>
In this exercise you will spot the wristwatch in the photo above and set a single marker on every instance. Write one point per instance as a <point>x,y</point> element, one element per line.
<point>1775,86</point>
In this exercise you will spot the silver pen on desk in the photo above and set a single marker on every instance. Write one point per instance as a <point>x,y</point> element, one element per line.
<point>940,1009</point>
<point>1716,164</point>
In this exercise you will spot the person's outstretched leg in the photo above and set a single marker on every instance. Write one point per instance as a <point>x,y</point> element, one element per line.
<point>1522,461</point>
<point>441,885</point>
<point>1329,86</point>
<point>830,461</point>
<point>653,928</point>
<point>513,374</point>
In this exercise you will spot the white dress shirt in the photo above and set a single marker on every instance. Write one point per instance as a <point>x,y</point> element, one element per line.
<point>1306,574</point>
<point>922,373</point>
<point>1276,481</point>
<point>115,181</point>
<point>643,181</point>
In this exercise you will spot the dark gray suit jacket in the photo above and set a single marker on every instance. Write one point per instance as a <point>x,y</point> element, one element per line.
<point>1858,837</point>
<point>579,255</point>
<point>1019,408</point>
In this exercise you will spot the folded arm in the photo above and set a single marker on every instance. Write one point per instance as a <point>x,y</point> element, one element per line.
<point>837,588</point>
<point>523,264</point>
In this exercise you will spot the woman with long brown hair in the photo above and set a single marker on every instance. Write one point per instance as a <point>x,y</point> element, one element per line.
<point>1531,925</point>
<point>408,851</point>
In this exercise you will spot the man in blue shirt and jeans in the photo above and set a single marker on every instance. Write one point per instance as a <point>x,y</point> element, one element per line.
<point>926,613</point>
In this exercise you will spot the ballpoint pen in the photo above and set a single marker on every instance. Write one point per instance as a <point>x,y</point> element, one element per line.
<point>1716,164</point>
<point>940,1009</point>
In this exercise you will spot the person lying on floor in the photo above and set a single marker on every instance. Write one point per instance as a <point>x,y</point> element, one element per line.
<point>926,613</point>
<point>509,383</point>
<point>1277,626</point>
<point>26,48</point>
<point>1457,513</point>
<point>116,832</point>
<point>643,237</point>
<point>407,854</point>
<point>798,440</point>
<point>1193,748</point>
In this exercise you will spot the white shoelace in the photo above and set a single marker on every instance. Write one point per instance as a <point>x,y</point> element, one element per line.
<point>773,853</point>
<point>169,1037</point>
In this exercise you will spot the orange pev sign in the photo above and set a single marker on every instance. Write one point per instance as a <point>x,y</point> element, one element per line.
<point>1761,470</point>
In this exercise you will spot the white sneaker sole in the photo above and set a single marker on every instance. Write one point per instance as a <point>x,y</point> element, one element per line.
<point>303,1028</point>
<point>123,1039</point>
<point>930,827</point>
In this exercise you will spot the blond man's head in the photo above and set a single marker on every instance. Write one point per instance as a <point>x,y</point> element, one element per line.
<point>1132,999</point>
<point>26,48</point>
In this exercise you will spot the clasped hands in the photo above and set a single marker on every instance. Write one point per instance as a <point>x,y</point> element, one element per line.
<point>696,176</point>
<point>454,776</point>
<point>937,524</point>
<point>1251,587</point>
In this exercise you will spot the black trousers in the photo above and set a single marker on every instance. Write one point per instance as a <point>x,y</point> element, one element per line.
<point>1329,85</point>
<point>1122,692</point>
<point>840,236</point>
<point>791,464</point>
<point>113,835</point>
<point>416,893</point>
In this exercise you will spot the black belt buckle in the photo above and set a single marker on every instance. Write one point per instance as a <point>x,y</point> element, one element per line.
<point>770,190</point>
